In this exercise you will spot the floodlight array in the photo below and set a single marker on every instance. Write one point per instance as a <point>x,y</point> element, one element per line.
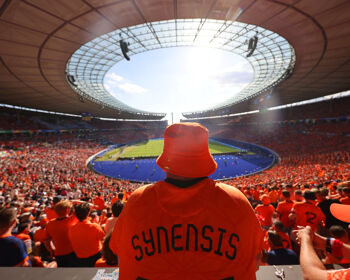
<point>273,59</point>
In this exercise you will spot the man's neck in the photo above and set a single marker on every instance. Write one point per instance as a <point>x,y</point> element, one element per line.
<point>6,232</point>
<point>183,183</point>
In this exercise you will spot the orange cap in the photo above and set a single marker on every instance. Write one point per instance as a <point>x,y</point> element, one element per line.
<point>186,151</point>
<point>265,199</point>
<point>341,211</point>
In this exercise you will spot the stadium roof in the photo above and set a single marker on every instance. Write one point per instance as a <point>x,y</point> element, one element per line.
<point>38,37</point>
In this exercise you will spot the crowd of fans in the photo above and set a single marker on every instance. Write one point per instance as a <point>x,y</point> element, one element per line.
<point>56,206</point>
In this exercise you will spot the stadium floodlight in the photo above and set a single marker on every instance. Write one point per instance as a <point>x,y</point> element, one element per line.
<point>124,46</point>
<point>252,44</point>
<point>71,80</point>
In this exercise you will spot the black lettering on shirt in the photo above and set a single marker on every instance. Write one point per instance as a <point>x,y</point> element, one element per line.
<point>206,237</point>
<point>217,251</point>
<point>188,236</point>
<point>151,241</point>
<point>166,239</point>
<point>174,237</point>
<point>232,256</point>
<point>137,247</point>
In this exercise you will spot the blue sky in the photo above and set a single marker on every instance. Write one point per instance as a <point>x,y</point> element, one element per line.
<point>180,79</point>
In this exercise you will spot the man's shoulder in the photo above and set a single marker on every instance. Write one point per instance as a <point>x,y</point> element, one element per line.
<point>229,190</point>
<point>11,241</point>
<point>231,195</point>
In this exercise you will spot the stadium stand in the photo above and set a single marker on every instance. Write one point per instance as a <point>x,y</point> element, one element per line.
<point>39,166</point>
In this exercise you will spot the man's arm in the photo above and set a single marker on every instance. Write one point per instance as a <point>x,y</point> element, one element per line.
<point>311,265</point>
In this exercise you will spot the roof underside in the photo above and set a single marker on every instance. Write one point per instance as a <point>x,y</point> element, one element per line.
<point>39,36</point>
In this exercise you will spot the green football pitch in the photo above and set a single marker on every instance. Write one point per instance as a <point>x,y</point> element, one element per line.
<point>153,148</point>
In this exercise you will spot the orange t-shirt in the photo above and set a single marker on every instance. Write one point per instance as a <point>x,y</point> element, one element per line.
<point>23,236</point>
<point>308,214</point>
<point>341,274</point>
<point>57,230</point>
<point>205,231</point>
<point>114,199</point>
<point>273,195</point>
<point>40,235</point>
<point>99,203</point>
<point>266,212</point>
<point>86,238</point>
<point>283,209</point>
<point>50,214</point>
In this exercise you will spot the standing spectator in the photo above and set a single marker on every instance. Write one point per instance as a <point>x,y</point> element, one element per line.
<point>307,213</point>
<point>187,226</point>
<point>283,210</point>
<point>86,237</point>
<point>13,252</point>
<point>99,203</point>
<point>57,232</point>
<point>266,211</point>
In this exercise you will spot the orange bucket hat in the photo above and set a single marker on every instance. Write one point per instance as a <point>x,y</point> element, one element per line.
<point>341,212</point>
<point>186,151</point>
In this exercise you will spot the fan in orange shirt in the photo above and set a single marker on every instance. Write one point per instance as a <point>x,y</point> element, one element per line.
<point>266,211</point>
<point>99,203</point>
<point>57,232</point>
<point>50,212</point>
<point>39,238</point>
<point>187,226</point>
<point>86,237</point>
<point>307,213</point>
<point>39,234</point>
<point>283,210</point>
<point>273,195</point>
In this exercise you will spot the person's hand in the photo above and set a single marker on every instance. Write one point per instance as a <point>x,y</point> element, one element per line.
<point>304,234</point>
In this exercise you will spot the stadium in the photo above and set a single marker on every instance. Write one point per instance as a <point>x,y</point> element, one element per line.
<point>67,137</point>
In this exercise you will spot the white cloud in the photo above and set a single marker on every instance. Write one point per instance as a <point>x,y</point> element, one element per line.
<point>114,77</point>
<point>132,88</point>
